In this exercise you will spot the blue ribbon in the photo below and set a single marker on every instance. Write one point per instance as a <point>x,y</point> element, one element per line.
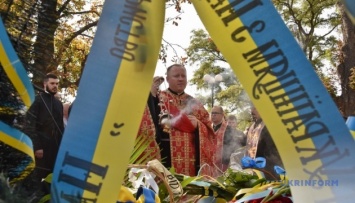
<point>258,162</point>
<point>279,170</point>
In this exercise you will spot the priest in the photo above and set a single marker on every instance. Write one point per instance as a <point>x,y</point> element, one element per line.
<point>182,125</point>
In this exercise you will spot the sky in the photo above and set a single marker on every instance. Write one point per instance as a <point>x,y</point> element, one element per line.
<point>179,35</point>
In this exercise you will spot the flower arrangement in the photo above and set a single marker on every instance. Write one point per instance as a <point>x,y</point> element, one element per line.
<point>239,186</point>
<point>148,180</point>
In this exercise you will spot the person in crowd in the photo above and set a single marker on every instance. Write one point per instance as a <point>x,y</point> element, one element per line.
<point>65,108</point>
<point>66,113</point>
<point>182,126</point>
<point>233,122</point>
<point>226,137</point>
<point>260,144</point>
<point>44,125</point>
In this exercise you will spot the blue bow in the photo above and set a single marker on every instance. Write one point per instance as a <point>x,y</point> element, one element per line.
<point>279,170</point>
<point>258,162</point>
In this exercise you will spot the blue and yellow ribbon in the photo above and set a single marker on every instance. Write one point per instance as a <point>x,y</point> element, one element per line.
<point>350,122</point>
<point>14,69</point>
<point>113,92</point>
<point>18,77</point>
<point>21,142</point>
<point>305,124</point>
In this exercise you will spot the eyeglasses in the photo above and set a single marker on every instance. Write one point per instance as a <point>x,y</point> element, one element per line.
<point>215,113</point>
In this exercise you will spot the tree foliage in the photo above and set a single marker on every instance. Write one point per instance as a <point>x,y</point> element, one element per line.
<point>313,23</point>
<point>56,35</point>
<point>51,35</point>
<point>323,35</point>
<point>229,93</point>
<point>326,36</point>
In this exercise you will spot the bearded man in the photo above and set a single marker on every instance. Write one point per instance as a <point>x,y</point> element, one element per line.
<point>44,125</point>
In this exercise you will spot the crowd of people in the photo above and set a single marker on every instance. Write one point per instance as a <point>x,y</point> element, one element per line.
<point>183,134</point>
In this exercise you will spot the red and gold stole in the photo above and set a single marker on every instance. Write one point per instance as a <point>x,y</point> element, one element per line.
<point>253,138</point>
<point>147,128</point>
<point>219,147</point>
<point>182,134</point>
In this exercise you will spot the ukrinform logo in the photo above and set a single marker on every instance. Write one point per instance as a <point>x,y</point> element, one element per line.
<point>311,183</point>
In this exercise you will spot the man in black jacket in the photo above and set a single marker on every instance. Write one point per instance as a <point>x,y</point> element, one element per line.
<point>44,124</point>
